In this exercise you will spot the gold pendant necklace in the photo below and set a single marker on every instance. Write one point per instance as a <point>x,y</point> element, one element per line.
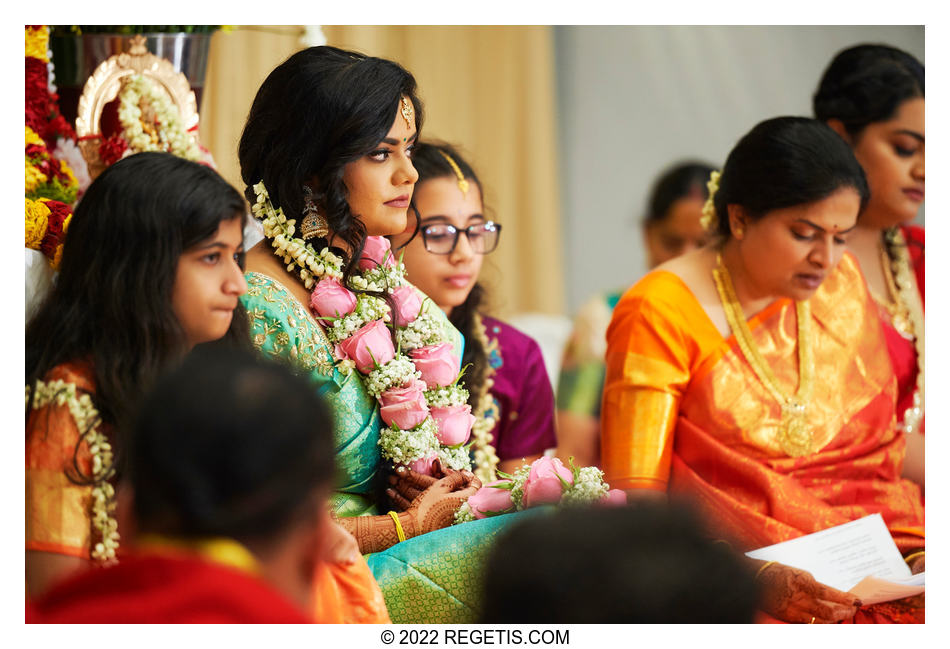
<point>896,307</point>
<point>795,434</point>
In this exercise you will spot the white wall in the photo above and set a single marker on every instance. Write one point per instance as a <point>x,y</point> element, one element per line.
<point>633,100</point>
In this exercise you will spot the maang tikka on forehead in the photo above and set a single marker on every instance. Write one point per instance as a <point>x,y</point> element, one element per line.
<point>406,111</point>
<point>463,184</point>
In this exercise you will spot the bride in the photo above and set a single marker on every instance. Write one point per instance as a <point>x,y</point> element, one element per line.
<point>326,158</point>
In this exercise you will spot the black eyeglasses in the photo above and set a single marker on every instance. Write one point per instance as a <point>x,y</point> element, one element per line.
<point>441,238</point>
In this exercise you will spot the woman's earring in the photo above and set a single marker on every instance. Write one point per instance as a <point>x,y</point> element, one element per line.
<point>313,223</point>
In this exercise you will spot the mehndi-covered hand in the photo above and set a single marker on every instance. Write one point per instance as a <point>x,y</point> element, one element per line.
<point>406,485</point>
<point>434,507</point>
<point>793,595</point>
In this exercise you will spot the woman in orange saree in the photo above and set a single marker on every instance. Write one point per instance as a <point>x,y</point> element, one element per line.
<point>752,376</point>
<point>149,270</point>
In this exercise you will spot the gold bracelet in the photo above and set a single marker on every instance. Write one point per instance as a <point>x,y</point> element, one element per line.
<point>913,555</point>
<point>762,569</point>
<point>399,533</point>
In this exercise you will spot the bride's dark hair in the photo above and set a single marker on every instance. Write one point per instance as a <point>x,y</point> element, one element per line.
<point>317,111</point>
<point>111,302</point>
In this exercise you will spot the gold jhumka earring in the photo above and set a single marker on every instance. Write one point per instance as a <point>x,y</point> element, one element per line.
<point>313,224</point>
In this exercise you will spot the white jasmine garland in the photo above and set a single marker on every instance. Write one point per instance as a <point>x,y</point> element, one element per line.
<point>447,396</point>
<point>406,446</point>
<point>87,419</point>
<point>588,487</point>
<point>169,131</point>
<point>393,374</point>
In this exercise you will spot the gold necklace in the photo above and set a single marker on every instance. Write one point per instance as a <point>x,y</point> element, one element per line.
<point>795,435</point>
<point>903,289</point>
<point>896,307</point>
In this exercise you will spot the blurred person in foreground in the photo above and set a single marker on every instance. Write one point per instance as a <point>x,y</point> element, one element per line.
<point>230,510</point>
<point>647,563</point>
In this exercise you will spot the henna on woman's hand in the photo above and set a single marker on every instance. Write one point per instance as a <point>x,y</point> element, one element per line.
<point>793,595</point>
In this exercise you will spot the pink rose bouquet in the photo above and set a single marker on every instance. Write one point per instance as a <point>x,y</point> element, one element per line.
<point>406,406</point>
<point>370,346</point>
<point>330,298</point>
<point>424,464</point>
<point>438,364</point>
<point>546,481</point>
<point>492,499</point>
<point>614,497</point>
<point>455,424</point>
<point>408,305</point>
<point>376,252</point>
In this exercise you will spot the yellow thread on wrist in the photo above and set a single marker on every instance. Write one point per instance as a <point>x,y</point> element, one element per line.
<point>762,569</point>
<point>912,556</point>
<point>399,533</point>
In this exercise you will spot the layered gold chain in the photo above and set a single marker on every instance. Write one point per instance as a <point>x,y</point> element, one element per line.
<point>795,435</point>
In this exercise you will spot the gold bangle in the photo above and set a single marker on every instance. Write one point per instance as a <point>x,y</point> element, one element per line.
<point>913,555</point>
<point>399,533</point>
<point>762,569</point>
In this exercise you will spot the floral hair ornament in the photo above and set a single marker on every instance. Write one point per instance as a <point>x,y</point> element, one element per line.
<point>463,184</point>
<point>708,219</point>
<point>313,223</point>
<point>406,111</point>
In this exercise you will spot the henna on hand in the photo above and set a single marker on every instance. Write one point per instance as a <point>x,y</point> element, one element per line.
<point>793,595</point>
<point>432,508</point>
<point>435,508</point>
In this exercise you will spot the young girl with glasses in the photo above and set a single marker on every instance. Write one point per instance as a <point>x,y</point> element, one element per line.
<point>443,247</point>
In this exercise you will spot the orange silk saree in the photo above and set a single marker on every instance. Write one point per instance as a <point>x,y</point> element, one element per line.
<point>684,411</point>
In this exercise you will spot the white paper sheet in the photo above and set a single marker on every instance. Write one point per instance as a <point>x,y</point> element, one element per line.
<point>859,556</point>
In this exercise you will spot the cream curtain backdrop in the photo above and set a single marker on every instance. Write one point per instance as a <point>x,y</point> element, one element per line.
<point>488,90</point>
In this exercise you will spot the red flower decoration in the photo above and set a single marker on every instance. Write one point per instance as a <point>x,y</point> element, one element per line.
<point>36,95</point>
<point>112,148</point>
<point>58,213</point>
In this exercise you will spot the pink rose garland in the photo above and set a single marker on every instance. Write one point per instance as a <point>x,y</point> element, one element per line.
<point>370,348</point>
<point>546,481</point>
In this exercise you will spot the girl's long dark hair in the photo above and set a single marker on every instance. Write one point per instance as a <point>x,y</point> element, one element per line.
<point>429,160</point>
<point>111,302</point>
<point>317,111</point>
<point>865,84</point>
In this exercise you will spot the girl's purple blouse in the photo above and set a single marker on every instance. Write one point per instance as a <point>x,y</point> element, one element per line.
<point>522,392</point>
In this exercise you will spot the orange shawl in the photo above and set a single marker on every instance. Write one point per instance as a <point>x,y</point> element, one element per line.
<point>683,410</point>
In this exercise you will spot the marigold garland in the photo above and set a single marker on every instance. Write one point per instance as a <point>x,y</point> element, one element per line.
<point>37,42</point>
<point>37,220</point>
